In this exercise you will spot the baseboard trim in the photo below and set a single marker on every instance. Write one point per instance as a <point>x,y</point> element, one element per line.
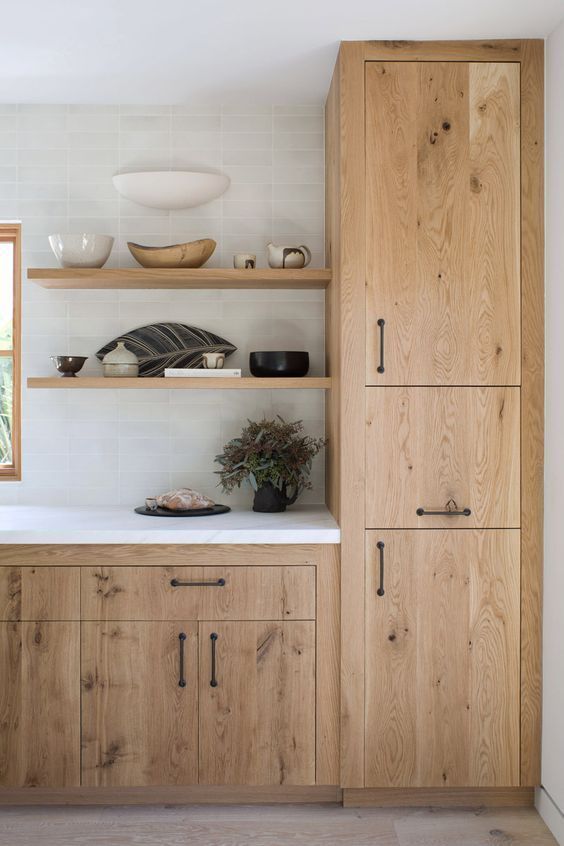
<point>454,797</point>
<point>193,795</point>
<point>551,813</point>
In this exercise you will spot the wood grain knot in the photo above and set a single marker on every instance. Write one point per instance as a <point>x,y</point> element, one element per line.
<point>475,184</point>
<point>111,756</point>
<point>264,647</point>
<point>446,126</point>
<point>115,589</point>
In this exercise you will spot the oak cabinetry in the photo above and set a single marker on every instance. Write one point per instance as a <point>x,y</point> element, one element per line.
<point>139,725</point>
<point>437,449</point>
<point>252,683</point>
<point>434,236</point>
<point>257,702</point>
<point>442,450</point>
<point>40,677</point>
<point>443,222</point>
<point>39,593</point>
<point>198,593</point>
<point>171,675</point>
<point>442,680</point>
<point>40,704</point>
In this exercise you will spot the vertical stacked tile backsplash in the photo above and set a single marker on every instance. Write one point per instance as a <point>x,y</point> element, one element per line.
<point>56,168</point>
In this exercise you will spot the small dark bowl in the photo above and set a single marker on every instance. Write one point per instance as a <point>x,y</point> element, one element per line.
<point>279,363</point>
<point>68,365</point>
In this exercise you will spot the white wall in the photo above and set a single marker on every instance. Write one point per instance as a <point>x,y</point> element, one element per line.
<point>552,799</point>
<point>56,164</point>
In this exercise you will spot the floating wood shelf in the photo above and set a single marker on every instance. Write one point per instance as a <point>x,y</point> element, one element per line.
<point>194,383</point>
<point>181,278</point>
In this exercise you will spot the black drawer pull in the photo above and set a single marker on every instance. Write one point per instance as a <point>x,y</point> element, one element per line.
<point>451,510</point>
<point>381,324</point>
<point>179,583</point>
<point>381,546</point>
<point>213,638</point>
<point>181,641</point>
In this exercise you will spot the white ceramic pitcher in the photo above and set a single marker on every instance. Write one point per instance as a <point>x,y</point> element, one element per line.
<point>287,256</point>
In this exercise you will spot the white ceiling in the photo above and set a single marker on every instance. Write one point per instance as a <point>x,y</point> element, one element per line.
<point>181,51</point>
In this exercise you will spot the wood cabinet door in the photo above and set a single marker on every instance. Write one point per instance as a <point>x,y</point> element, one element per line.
<point>442,449</point>
<point>139,720</point>
<point>443,223</point>
<point>442,671</point>
<point>257,703</point>
<point>40,704</point>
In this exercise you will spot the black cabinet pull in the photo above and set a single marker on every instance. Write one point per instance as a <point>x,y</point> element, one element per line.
<point>451,510</point>
<point>213,638</point>
<point>179,583</point>
<point>381,546</point>
<point>181,677</point>
<point>381,324</point>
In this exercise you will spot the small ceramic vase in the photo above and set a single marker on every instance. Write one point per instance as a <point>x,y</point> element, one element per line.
<point>213,360</point>
<point>244,261</point>
<point>120,362</point>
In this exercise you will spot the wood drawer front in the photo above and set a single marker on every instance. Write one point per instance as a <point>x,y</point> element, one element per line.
<point>426,447</point>
<point>248,593</point>
<point>39,593</point>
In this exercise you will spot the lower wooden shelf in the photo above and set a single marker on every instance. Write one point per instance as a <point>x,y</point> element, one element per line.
<point>175,384</point>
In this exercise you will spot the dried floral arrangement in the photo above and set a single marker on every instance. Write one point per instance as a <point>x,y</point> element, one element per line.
<point>270,454</point>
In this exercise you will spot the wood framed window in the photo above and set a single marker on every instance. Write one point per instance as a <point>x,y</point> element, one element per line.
<point>10,351</point>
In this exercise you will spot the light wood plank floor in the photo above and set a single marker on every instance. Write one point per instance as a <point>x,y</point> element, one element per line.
<point>311,825</point>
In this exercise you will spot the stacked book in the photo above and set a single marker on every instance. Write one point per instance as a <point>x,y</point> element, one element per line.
<point>201,372</point>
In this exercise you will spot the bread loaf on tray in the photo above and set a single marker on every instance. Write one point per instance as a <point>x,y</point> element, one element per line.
<point>184,499</point>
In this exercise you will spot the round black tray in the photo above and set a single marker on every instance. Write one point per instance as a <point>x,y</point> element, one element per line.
<point>195,512</point>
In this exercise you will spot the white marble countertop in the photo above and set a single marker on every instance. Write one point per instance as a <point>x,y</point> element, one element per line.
<point>119,524</point>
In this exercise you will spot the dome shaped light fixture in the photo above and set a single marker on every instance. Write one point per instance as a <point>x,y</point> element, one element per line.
<point>171,189</point>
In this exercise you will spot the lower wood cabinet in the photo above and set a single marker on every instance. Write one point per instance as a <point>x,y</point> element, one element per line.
<point>257,703</point>
<point>139,703</point>
<point>442,658</point>
<point>158,710</point>
<point>39,704</point>
<point>218,666</point>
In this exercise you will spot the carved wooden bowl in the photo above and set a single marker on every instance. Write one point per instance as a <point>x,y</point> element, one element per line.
<point>191,254</point>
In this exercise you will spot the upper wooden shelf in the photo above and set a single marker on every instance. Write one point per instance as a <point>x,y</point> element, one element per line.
<point>197,383</point>
<point>194,278</point>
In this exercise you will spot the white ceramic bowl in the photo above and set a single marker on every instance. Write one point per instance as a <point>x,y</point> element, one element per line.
<point>82,250</point>
<point>171,189</point>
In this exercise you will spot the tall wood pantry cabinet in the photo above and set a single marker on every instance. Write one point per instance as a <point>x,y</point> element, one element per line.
<point>435,326</point>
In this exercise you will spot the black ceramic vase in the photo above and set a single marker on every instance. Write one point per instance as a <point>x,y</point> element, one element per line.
<point>270,500</point>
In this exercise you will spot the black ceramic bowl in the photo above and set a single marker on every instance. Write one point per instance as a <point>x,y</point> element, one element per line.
<point>68,365</point>
<point>279,363</point>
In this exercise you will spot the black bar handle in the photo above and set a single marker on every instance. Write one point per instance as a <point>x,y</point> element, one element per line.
<point>213,638</point>
<point>381,324</point>
<point>181,641</point>
<point>449,512</point>
<point>381,546</point>
<point>179,583</point>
